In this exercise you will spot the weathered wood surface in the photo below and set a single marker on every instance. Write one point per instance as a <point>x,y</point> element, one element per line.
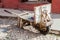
<point>24,15</point>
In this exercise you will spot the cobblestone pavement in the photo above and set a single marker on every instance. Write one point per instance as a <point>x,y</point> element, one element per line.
<point>8,31</point>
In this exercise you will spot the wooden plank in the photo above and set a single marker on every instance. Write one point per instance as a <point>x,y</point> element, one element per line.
<point>24,15</point>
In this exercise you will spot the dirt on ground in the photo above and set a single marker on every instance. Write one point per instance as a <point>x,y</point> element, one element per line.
<point>9,31</point>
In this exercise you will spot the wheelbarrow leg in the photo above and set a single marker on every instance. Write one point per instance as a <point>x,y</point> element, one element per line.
<point>30,23</point>
<point>18,22</point>
<point>21,23</point>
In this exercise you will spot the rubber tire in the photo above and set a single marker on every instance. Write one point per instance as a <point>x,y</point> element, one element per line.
<point>45,32</point>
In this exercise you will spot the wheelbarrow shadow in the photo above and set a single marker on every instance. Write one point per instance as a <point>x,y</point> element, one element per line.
<point>22,33</point>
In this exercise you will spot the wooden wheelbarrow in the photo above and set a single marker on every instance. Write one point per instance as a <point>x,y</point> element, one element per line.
<point>39,19</point>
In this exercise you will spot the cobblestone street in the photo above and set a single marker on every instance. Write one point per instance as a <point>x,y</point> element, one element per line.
<point>8,31</point>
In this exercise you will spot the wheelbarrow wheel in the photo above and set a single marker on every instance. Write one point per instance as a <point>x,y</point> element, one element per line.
<point>44,32</point>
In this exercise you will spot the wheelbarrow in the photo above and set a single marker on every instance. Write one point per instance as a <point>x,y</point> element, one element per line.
<point>39,19</point>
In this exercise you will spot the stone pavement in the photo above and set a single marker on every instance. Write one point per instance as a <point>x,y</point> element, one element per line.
<point>8,31</point>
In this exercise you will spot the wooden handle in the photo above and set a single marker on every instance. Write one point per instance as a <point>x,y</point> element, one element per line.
<point>7,11</point>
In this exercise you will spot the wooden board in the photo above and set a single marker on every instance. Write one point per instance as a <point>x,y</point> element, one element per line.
<point>39,10</point>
